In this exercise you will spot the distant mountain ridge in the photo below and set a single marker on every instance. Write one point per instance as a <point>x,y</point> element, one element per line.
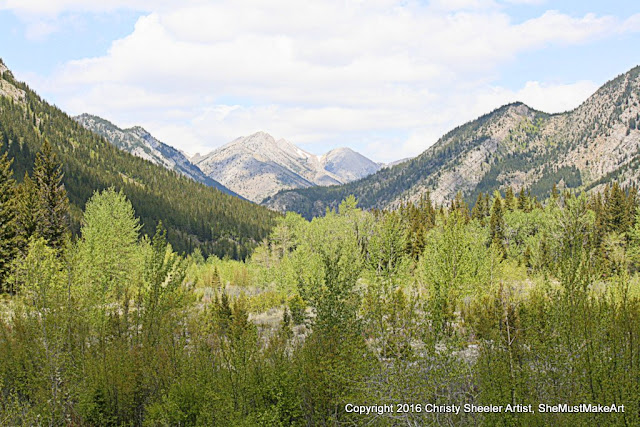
<point>258,166</point>
<point>141,143</point>
<point>513,145</point>
<point>252,167</point>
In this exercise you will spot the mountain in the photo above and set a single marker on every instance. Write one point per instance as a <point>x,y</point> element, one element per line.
<point>258,166</point>
<point>513,145</point>
<point>141,143</point>
<point>347,164</point>
<point>195,215</point>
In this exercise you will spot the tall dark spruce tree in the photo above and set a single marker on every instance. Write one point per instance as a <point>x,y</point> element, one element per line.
<point>496,226</point>
<point>52,214</point>
<point>26,208</point>
<point>8,229</point>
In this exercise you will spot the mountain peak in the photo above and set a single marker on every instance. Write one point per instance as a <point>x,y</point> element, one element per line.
<point>139,142</point>
<point>512,146</point>
<point>258,166</point>
<point>3,68</point>
<point>340,150</point>
<point>256,141</point>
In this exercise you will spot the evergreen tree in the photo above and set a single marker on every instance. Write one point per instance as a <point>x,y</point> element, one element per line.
<point>460,205</point>
<point>52,217</point>
<point>428,212</point>
<point>617,214</point>
<point>523,201</point>
<point>216,281</point>
<point>26,209</point>
<point>509,199</point>
<point>8,232</point>
<point>496,226</point>
<point>555,194</point>
<point>634,234</point>
<point>479,209</point>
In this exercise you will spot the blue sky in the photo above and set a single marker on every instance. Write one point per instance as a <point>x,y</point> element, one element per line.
<point>385,77</point>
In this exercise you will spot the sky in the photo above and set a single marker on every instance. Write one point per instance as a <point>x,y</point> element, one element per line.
<point>386,78</point>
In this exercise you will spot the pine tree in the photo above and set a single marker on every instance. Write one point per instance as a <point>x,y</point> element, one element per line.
<point>509,199</point>
<point>479,209</point>
<point>523,201</point>
<point>460,205</point>
<point>8,226</point>
<point>618,215</point>
<point>52,217</point>
<point>216,281</point>
<point>26,209</point>
<point>555,194</point>
<point>427,211</point>
<point>496,226</point>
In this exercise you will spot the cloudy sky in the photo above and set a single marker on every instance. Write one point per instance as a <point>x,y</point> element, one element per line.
<point>385,77</point>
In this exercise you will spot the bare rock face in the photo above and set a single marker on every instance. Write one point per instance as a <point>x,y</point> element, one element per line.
<point>257,166</point>
<point>514,146</point>
<point>7,88</point>
<point>348,165</point>
<point>141,143</point>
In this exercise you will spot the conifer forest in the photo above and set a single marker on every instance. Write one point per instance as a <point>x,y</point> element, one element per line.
<point>511,302</point>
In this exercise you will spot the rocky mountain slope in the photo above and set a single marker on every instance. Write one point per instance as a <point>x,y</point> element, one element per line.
<point>348,165</point>
<point>258,166</point>
<point>512,146</point>
<point>141,143</point>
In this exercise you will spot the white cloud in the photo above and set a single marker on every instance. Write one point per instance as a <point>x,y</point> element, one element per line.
<point>526,2</point>
<point>555,98</point>
<point>200,74</point>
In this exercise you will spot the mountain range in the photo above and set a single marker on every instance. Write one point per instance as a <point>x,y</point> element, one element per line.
<point>141,143</point>
<point>253,167</point>
<point>258,166</point>
<point>513,146</point>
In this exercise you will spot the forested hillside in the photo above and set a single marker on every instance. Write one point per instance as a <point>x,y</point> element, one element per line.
<point>512,146</point>
<point>195,216</point>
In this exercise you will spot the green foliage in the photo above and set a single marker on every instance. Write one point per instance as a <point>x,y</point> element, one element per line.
<point>108,250</point>
<point>635,239</point>
<point>455,263</point>
<point>117,330</point>
<point>328,262</point>
<point>496,225</point>
<point>164,272</point>
<point>8,221</point>
<point>26,208</point>
<point>297,306</point>
<point>52,214</point>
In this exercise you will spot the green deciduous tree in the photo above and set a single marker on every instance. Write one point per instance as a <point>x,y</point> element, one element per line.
<point>455,263</point>
<point>108,249</point>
